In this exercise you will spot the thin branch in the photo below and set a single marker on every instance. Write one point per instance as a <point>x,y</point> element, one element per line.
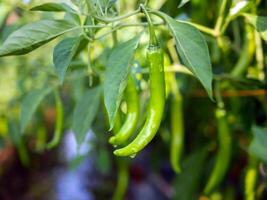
<point>108,20</point>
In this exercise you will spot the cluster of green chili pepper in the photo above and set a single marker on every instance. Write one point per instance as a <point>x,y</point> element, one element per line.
<point>156,102</point>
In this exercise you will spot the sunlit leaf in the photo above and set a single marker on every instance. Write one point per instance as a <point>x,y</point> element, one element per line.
<point>193,51</point>
<point>34,35</point>
<point>53,7</point>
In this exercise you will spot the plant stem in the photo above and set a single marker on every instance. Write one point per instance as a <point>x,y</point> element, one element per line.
<point>125,25</point>
<point>152,36</point>
<point>225,25</point>
<point>107,20</point>
<point>89,67</point>
<point>218,97</point>
<point>221,16</point>
<point>203,29</point>
<point>95,26</point>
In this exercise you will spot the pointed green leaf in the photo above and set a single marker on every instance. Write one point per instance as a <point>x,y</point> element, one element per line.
<point>78,3</point>
<point>53,7</point>
<point>30,104</point>
<point>34,35</point>
<point>85,112</point>
<point>258,146</point>
<point>13,130</point>
<point>73,18</point>
<point>193,50</point>
<point>259,23</point>
<point>63,54</point>
<point>118,68</point>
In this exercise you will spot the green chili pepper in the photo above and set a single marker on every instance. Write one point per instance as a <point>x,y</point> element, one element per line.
<point>59,122</point>
<point>251,179</point>
<point>246,54</point>
<point>157,97</point>
<point>130,123</point>
<point>122,181</point>
<point>224,152</point>
<point>117,124</point>
<point>177,130</point>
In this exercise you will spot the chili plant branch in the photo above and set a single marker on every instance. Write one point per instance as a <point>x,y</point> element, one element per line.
<point>119,18</point>
<point>220,19</point>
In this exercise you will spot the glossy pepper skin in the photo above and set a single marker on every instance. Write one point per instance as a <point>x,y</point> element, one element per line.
<point>156,103</point>
<point>224,152</point>
<point>133,110</point>
<point>177,131</point>
<point>59,122</point>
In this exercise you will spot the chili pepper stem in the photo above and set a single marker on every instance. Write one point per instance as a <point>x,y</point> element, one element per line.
<point>153,41</point>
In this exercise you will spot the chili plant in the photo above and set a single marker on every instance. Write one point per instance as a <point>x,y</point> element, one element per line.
<point>131,67</point>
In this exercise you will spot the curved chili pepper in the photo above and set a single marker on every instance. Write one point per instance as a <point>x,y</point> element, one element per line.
<point>130,123</point>
<point>224,152</point>
<point>246,54</point>
<point>177,130</point>
<point>156,103</point>
<point>117,124</point>
<point>59,122</point>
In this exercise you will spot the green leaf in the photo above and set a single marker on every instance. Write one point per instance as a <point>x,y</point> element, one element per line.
<point>182,3</point>
<point>193,50</point>
<point>73,18</point>
<point>118,68</point>
<point>63,54</point>
<point>30,104</point>
<point>13,130</point>
<point>78,3</point>
<point>17,139</point>
<point>82,45</point>
<point>53,7</point>
<point>81,4</point>
<point>34,35</point>
<point>258,146</point>
<point>259,23</point>
<point>85,112</point>
<point>187,182</point>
